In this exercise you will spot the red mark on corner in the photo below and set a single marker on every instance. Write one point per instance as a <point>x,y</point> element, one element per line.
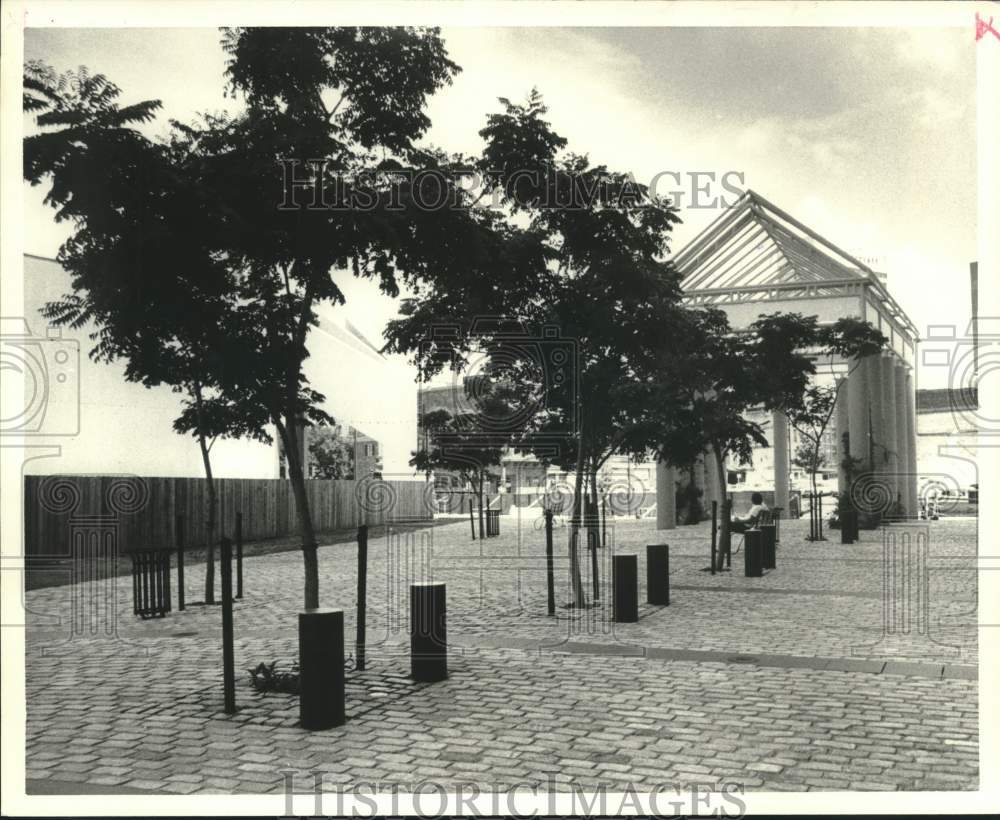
<point>982,26</point>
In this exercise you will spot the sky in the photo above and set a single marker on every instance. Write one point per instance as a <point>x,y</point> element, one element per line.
<point>865,135</point>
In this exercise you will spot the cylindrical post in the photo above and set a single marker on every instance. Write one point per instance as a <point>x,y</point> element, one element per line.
<point>770,557</point>
<point>666,480</point>
<point>179,532</point>
<point>858,418</point>
<point>753,554</point>
<point>658,574</point>
<point>228,665</point>
<point>472,520</point>
<point>428,633</point>
<point>321,668</point>
<point>842,427</point>
<point>779,422</point>
<point>819,517</point>
<point>625,584</point>
<point>239,555</point>
<point>359,652</point>
<point>549,565</point>
<point>715,531</point>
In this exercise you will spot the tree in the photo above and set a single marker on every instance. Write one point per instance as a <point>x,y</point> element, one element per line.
<point>713,375</point>
<point>326,110</point>
<point>141,255</point>
<point>809,458</point>
<point>852,340</point>
<point>330,454</point>
<point>590,280</point>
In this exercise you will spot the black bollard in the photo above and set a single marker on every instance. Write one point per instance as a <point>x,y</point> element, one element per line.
<point>848,526</point>
<point>753,554</point>
<point>769,551</point>
<point>549,568</point>
<point>625,583</point>
<point>228,665</point>
<point>321,668</point>
<point>428,632</point>
<point>179,532</point>
<point>658,574</point>
<point>472,521</point>
<point>239,555</point>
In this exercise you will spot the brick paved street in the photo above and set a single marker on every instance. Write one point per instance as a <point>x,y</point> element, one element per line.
<point>789,681</point>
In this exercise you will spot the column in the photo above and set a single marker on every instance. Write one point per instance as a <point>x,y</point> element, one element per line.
<point>874,372</point>
<point>842,427</point>
<point>857,409</point>
<point>911,440</point>
<point>709,482</point>
<point>890,463</point>
<point>902,437</point>
<point>780,444</point>
<point>666,479</point>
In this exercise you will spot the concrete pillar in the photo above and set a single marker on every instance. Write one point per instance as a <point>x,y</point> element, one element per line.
<point>842,426</point>
<point>890,463</point>
<point>874,372</point>
<point>666,480</point>
<point>911,450</point>
<point>857,409</point>
<point>902,437</point>
<point>779,423</point>
<point>709,481</point>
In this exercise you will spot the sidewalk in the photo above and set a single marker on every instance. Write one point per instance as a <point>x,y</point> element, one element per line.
<point>784,682</point>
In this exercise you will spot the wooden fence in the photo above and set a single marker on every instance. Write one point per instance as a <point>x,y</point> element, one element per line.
<point>144,510</point>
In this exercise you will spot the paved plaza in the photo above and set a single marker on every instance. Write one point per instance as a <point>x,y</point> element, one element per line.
<point>812,678</point>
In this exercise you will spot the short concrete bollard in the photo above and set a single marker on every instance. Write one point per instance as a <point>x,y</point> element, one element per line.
<point>769,541</point>
<point>753,554</point>
<point>321,668</point>
<point>658,574</point>
<point>428,634</point>
<point>625,585</point>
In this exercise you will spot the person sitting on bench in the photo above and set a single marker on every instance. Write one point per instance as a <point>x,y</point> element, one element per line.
<point>742,523</point>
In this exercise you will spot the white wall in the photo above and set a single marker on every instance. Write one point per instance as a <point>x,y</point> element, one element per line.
<point>126,428</point>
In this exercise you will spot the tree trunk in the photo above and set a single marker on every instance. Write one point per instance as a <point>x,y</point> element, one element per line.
<point>594,529</point>
<point>579,599</point>
<point>306,531</point>
<point>212,500</point>
<point>725,540</point>
<point>212,505</point>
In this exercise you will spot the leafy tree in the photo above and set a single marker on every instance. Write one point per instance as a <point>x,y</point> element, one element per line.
<point>141,255</point>
<point>713,375</point>
<point>325,110</point>
<point>330,454</point>
<point>589,265</point>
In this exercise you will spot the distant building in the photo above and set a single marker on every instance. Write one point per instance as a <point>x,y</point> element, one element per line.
<point>947,436</point>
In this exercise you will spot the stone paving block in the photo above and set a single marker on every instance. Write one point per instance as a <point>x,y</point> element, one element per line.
<point>930,670</point>
<point>961,672</point>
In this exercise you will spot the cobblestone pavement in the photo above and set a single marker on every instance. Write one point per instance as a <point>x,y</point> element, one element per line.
<point>810,678</point>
